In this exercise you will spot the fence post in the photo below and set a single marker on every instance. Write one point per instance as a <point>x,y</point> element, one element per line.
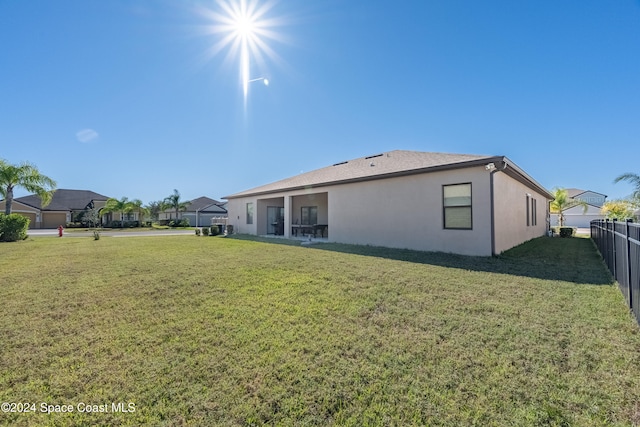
<point>613,247</point>
<point>628,272</point>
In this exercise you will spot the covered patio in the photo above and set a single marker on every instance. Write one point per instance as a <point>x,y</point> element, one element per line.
<point>297,216</point>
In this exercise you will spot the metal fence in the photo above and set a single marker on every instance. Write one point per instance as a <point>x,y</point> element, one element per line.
<point>619,244</point>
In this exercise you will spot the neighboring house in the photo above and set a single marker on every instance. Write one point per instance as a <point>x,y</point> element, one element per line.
<point>576,216</point>
<point>200,212</point>
<point>65,206</point>
<point>465,204</point>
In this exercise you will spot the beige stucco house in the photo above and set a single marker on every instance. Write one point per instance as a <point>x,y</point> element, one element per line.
<point>64,205</point>
<point>458,203</point>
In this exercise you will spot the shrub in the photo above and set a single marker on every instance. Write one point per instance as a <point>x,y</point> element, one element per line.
<point>229,229</point>
<point>197,231</point>
<point>96,235</point>
<point>215,230</point>
<point>567,231</point>
<point>205,231</point>
<point>184,222</point>
<point>13,227</point>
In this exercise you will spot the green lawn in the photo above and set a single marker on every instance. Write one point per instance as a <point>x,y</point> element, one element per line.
<point>224,331</point>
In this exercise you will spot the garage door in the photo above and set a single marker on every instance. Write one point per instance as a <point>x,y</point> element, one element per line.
<point>53,219</point>
<point>31,216</point>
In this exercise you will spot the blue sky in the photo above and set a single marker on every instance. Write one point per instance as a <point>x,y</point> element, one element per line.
<point>123,97</point>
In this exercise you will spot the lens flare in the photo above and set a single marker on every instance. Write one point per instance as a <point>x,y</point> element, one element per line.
<point>244,29</point>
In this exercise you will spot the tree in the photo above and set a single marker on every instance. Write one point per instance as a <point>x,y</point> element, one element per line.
<point>114,205</point>
<point>561,202</point>
<point>633,179</point>
<point>136,206</point>
<point>173,202</point>
<point>620,210</point>
<point>27,176</point>
<point>154,208</point>
<point>90,217</point>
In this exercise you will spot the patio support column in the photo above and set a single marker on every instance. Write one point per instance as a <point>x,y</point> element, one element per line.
<point>287,216</point>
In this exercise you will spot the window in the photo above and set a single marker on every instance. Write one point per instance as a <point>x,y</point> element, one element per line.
<point>457,206</point>
<point>249,213</point>
<point>309,215</point>
<point>532,211</point>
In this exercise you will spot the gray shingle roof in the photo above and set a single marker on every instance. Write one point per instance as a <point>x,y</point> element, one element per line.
<point>205,204</point>
<point>574,192</point>
<point>63,200</point>
<point>370,167</point>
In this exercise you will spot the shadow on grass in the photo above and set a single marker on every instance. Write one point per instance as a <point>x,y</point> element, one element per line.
<point>571,260</point>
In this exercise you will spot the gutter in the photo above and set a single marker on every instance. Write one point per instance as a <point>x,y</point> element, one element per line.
<point>491,196</point>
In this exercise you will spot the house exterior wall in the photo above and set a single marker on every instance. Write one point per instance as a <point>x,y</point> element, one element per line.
<point>356,212</point>
<point>18,208</point>
<point>592,198</point>
<point>510,213</point>
<point>416,222</point>
<point>237,215</point>
<point>577,217</point>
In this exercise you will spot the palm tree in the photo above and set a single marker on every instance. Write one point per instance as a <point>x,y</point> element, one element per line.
<point>27,176</point>
<point>634,179</point>
<point>561,202</point>
<point>136,206</point>
<point>173,201</point>
<point>114,205</point>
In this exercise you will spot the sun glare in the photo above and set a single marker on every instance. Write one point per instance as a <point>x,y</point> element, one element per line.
<point>244,28</point>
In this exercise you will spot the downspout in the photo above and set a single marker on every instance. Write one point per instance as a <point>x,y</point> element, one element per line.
<point>491,195</point>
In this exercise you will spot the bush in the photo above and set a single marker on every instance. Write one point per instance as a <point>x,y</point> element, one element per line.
<point>567,231</point>
<point>205,231</point>
<point>13,227</point>
<point>184,222</point>
<point>215,230</point>
<point>197,231</point>
<point>96,235</point>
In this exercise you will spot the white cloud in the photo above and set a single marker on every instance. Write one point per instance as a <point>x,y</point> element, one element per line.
<point>86,135</point>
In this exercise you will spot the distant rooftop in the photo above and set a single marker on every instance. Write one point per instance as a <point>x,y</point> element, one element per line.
<point>63,200</point>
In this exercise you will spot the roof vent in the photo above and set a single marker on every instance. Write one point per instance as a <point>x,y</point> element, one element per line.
<point>375,155</point>
<point>341,163</point>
